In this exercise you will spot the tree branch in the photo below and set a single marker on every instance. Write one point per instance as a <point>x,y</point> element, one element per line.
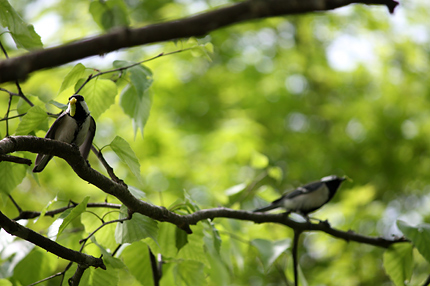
<point>198,25</point>
<point>18,230</point>
<point>34,214</point>
<point>15,159</point>
<point>78,163</point>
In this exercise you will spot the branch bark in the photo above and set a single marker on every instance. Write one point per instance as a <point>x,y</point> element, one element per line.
<point>198,25</point>
<point>18,230</point>
<point>72,155</point>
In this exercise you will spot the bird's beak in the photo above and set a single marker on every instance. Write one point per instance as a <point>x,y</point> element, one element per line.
<point>72,103</point>
<point>347,178</point>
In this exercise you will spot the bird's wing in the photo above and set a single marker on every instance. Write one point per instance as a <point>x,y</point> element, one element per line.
<point>51,135</point>
<point>57,123</point>
<point>309,188</point>
<point>86,146</point>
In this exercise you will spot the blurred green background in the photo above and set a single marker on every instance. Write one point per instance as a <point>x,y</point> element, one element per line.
<point>343,92</point>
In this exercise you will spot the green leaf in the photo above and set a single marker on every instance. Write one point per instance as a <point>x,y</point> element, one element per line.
<point>11,175</point>
<point>137,228</point>
<point>194,249</point>
<point>269,250</point>
<point>135,99</point>
<point>181,238</point>
<point>74,213</point>
<point>167,240</point>
<point>4,282</point>
<point>398,263</point>
<point>34,117</point>
<point>190,273</point>
<point>275,173</point>
<point>99,94</point>
<point>138,194</point>
<point>91,221</point>
<point>235,189</point>
<point>259,161</point>
<point>34,267</point>
<point>107,257</point>
<point>212,238</point>
<point>139,265</point>
<point>58,104</point>
<point>123,150</point>
<point>419,235</point>
<point>109,14</point>
<point>100,277</point>
<point>209,47</point>
<point>73,76</point>
<point>22,33</point>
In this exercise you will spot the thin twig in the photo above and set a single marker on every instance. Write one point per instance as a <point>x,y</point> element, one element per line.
<point>295,260</point>
<point>13,117</point>
<point>7,115</point>
<point>34,214</point>
<point>47,278</point>
<point>105,164</point>
<point>15,204</point>
<point>121,220</point>
<point>90,77</point>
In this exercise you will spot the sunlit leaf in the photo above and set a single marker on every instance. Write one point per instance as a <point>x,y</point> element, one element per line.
<point>135,99</point>
<point>137,228</point>
<point>168,240</point>
<point>398,263</point>
<point>11,175</point>
<point>22,33</point>
<point>194,249</point>
<point>73,76</point>
<point>109,14</point>
<point>99,95</point>
<point>34,267</point>
<point>123,150</point>
<point>190,273</point>
<point>419,235</point>
<point>138,265</point>
<point>100,277</point>
<point>259,161</point>
<point>107,257</point>
<point>74,213</point>
<point>275,173</point>
<point>269,250</point>
<point>34,117</point>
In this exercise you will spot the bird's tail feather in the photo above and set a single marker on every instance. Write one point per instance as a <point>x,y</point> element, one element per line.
<point>41,163</point>
<point>267,208</point>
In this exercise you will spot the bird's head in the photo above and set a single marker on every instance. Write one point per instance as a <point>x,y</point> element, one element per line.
<point>333,182</point>
<point>77,105</point>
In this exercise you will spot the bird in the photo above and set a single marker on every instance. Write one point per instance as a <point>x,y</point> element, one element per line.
<point>75,126</point>
<point>307,198</point>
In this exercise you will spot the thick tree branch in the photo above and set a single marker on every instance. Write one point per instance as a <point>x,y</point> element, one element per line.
<point>16,229</point>
<point>76,161</point>
<point>20,67</point>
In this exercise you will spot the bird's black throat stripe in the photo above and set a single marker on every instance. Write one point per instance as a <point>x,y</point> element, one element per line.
<point>79,119</point>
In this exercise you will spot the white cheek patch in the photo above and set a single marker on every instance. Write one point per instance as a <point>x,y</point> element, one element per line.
<point>307,201</point>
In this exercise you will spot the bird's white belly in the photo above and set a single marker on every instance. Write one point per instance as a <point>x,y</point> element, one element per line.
<point>307,201</point>
<point>66,132</point>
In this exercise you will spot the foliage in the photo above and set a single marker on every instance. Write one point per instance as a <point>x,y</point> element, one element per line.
<point>280,102</point>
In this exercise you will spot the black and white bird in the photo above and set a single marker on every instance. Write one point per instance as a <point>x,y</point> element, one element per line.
<point>307,198</point>
<point>74,126</point>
